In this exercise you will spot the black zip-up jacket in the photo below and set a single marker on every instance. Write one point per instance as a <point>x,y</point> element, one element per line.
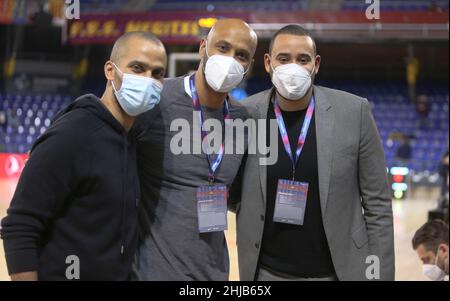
<point>76,201</point>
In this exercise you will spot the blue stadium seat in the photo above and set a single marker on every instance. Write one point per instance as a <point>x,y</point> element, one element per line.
<point>31,115</point>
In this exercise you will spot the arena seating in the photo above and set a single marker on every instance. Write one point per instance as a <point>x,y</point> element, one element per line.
<point>103,6</point>
<point>27,117</point>
<point>398,5</point>
<point>393,111</point>
<point>30,115</point>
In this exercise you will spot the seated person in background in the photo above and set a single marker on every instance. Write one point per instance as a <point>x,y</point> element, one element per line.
<point>423,111</point>
<point>3,124</point>
<point>443,172</point>
<point>431,244</point>
<point>404,151</point>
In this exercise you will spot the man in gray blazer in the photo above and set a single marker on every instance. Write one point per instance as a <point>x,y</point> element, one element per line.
<point>323,210</point>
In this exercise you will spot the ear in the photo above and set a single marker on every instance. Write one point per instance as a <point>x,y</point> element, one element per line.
<point>444,249</point>
<point>109,70</point>
<point>202,49</point>
<point>267,63</point>
<point>318,60</point>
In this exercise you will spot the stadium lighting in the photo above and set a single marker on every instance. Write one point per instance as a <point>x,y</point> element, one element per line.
<point>399,179</point>
<point>207,22</point>
<point>402,171</point>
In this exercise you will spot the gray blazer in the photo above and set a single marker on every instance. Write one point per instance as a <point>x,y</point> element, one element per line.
<point>354,194</point>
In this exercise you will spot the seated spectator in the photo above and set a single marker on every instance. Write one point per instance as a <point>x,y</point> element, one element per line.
<point>2,119</point>
<point>404,151</point>
<point>3,125</point>
<point>443,172</point>
<point>431,244</point>
<point>423,111</point>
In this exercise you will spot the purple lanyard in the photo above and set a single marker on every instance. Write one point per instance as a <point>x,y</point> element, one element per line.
<point>301,138</point>
<point>226,115</point>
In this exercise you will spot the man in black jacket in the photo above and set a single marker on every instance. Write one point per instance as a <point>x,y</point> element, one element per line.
<point>74,212</point>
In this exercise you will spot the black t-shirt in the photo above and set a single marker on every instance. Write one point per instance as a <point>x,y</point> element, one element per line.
<point>297,250</point>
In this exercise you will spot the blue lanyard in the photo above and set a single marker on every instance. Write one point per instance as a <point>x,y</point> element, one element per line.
<point>226,115</point>
<point>301,138</point>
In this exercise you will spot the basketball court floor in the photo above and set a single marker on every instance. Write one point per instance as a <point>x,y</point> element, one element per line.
<point>409,215</point>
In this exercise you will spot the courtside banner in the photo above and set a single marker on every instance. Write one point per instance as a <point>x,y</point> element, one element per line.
<point>171,28</point>
<point>11,165</point>
<point>13,11</point>
<point>188,27</point>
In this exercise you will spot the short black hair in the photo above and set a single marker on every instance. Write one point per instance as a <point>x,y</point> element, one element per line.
<point>431,235</point>
<point>292,29</point>
<point>118,47</point>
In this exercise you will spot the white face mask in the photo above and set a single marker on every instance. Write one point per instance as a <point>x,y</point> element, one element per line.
<point>223,73</point>
<point>432,271</point>
<point>291,80</point>
<point>138,94</point>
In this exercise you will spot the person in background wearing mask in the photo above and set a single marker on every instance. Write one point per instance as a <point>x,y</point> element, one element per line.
<point>74,212</point>
<point>431,244</point>
<point>324,207</point>
<point>181,239</point>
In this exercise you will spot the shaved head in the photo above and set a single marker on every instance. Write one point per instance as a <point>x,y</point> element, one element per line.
<point>230,37</point>
<point>122,45</point>
<point>234,27</point>
<point>138,53</point>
